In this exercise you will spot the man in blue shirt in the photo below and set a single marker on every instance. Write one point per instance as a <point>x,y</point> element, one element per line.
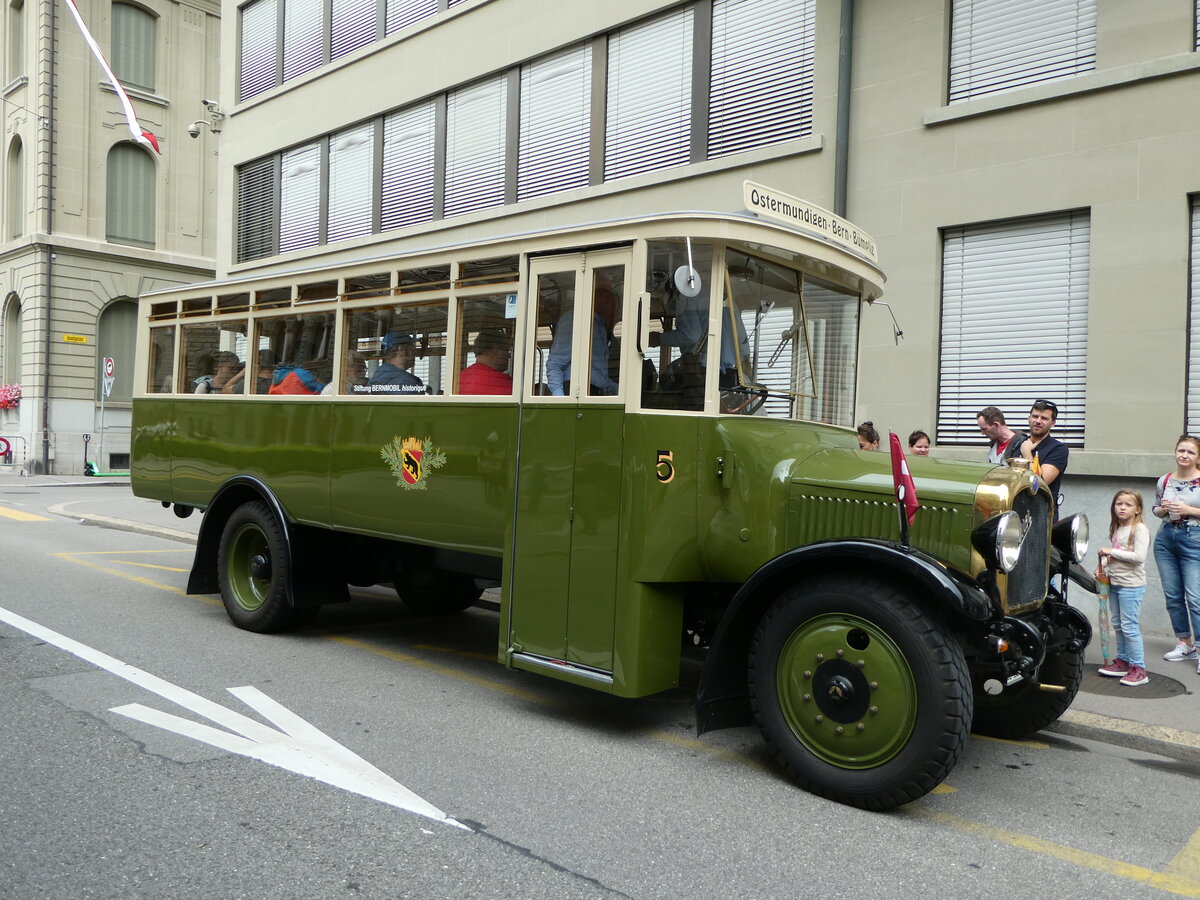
<point>558,363</point>
<point>393,377</point>
<point>1052,454</point>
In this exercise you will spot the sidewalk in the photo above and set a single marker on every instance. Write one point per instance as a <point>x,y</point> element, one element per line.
<point>1162,717</point>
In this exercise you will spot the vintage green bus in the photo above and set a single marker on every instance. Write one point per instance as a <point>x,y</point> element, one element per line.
<point>424,421</point>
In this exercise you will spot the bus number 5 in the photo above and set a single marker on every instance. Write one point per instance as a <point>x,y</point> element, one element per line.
<point>665,467</point>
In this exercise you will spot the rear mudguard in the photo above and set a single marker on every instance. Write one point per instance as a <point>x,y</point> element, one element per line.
<point>722,700</point>
<point>306,586</point>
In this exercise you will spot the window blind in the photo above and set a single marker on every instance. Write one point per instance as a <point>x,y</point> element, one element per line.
<point>131,196</point>
<point>406,188</point>
<point>133,45</point>
<point>555,114</point>
<point>1014,323</point>
<point>351,182</point>
<point>1003,45</point>
<point>1193,376</point>
<point>300,198</point>
<point>353,24</point>
<point>761,83</point>
<point>256,209</point>
<point>258,50</point>
<point>649,96</point>
<point>303,37</point>
<point>402,13</point>
<point>475,140</point>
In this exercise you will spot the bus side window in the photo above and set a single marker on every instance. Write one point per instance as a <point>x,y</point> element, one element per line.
<point>485,341</point>
<point>604,349</point>
<point>301,349</point>
<point>551,351</point>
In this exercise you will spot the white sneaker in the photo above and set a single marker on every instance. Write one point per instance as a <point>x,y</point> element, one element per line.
<point>1183,650</point>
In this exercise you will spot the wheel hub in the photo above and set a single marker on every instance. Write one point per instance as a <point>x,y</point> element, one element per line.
<point>260,565</point>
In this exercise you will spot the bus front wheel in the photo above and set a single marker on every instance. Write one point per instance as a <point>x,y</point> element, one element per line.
<point>252,570</point>
<point>864,695</point>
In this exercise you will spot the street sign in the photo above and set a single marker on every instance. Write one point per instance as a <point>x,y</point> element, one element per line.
<point>108,383</point>
<point>5,447</point>
<point>109,366</point>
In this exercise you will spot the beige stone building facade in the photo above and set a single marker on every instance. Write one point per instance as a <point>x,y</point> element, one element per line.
<point>91,219</point>
<point>1026,167</point>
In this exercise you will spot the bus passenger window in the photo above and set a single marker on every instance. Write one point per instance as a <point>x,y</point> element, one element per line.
<point>162,360</point>
<point>551,351</point>
<point>604,349</point>
<point>484,347</point>
<point>404,348</point>
<point>295,354</point>
<point>212,358</point>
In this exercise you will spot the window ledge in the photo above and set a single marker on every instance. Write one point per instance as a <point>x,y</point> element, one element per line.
<point>138,94</point>
<point>16,84</point>
<point>1105,79</point>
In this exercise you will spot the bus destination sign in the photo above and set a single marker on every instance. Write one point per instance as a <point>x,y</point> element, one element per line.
<point>769,203</point>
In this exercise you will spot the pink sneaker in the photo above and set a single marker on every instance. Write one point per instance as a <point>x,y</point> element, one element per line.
<point>1115,669</point>
<point>1137,675</point>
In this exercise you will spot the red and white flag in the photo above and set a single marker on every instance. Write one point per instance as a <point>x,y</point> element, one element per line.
<point>135,127</point>
<point>906,491</point>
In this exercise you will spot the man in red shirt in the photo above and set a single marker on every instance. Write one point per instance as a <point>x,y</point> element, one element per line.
<point>992,424</point>
<point>487,374</point>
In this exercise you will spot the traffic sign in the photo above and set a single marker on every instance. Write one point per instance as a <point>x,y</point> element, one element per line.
<point>109,366</point>
<point>5,447</point>
<point>108,383</point>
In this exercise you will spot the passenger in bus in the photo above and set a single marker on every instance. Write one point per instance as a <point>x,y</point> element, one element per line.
<point>690,336</point>
<point>487,375</point>
<point>354,375</point>
<point>225,377</point>
<point>393,377</point>
<point>558,364</point>
<point>290,379</point>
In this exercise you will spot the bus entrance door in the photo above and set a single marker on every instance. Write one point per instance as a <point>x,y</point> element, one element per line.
<point>563,592</point>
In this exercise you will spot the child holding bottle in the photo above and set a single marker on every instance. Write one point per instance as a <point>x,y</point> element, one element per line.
<point>1125,562</point>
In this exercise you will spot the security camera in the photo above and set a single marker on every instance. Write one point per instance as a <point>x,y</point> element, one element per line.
<point>194,129</point>
<point>209,103</point>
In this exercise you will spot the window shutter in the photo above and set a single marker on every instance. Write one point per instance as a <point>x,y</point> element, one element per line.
<point>303,37</point>
<point>300,199</point>
<point>1003,45</point>
<point>133,45</point>
<point>256,194</point>
<point>1193,384</point>
<point>402,13</point>
<point>408,155</point>
<point>131,196</point>
<point>351,182</point>
<point>354,25</point>
<point>1014,324</point>
<point>555,117</point>
<point>761,86</point>
<point>649,96</point>
<point>475,141</point>
<point>258,49</point>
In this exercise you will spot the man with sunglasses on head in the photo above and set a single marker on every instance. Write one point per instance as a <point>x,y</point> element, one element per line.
<point>1051,453</point>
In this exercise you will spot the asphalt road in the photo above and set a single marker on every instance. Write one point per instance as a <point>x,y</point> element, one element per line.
<point>564,792</point>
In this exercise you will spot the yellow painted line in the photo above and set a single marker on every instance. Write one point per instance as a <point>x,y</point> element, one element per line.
<point>1187,860</point>
<point>1029,745</point>
<point>22,516</point>
<point>944,788</point>
<point>152,566</point>
<point>1165,881</point>
<point>1171,880</point>
<point>124,552</point>
<point>487,657</point>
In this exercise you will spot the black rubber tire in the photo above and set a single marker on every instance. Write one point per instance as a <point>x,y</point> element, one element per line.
<point>908,640</point>
<point>434,592</point>
<point>255,602</point>
<point>1023,710</point>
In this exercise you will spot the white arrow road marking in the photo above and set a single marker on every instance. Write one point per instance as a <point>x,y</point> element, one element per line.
<point>295,745</point>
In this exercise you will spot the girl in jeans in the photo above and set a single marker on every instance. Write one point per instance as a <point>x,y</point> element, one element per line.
<point>1126,562</point>
<point>1177,547</point>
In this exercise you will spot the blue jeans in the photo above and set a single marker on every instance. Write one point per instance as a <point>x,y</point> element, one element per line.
<point>1177,553</point>
<point>1125,604</point>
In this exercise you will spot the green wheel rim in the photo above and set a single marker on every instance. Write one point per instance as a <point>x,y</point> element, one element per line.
<point>847,691</point>
<point>249,590</point>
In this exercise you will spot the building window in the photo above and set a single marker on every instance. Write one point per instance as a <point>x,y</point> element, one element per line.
<point>649,96</point>
<point>16,39</point>
<point>552,153</point>
<point>409,150</point>
<point>1014,323</point>
<point>133,45</point>
<point>353,24</point>
<point>1004,45</point>
<point>132,197</point>
<point>258,48</point>
<point>351,182</point>
<point>1193,377</point>
<point>761,84</point>
<point>303,37</point>
<point>475,144</point>
<point>12,341</point>
<point>300,199</point>
<point>257,208</point>
<point>116,334</point>
<point>402,13</point>
<point>14,207</point>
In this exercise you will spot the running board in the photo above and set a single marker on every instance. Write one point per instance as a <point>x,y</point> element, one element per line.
<point>560,668</point>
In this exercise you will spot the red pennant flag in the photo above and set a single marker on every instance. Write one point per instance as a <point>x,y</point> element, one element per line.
<point>906,491</point>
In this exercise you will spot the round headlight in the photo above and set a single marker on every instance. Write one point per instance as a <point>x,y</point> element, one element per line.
<point>1070,536</point>
<point>1009,537</point>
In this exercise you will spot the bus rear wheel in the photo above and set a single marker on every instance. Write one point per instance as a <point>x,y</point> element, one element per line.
<point>252,570</point>
<point>864,696</point>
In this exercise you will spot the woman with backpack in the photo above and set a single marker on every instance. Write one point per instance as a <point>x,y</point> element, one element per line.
<point>1177,547</point>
